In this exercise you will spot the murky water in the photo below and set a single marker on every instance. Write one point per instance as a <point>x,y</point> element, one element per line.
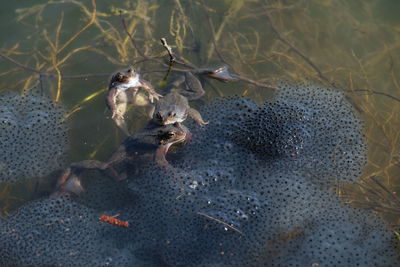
<point>77,45</point>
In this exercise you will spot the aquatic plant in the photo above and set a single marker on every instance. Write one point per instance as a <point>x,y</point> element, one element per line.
<point>68,49</point>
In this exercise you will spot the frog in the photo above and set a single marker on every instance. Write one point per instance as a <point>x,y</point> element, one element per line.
<point>174,106</point>
<point>123,90</point>
<point>153,140</point>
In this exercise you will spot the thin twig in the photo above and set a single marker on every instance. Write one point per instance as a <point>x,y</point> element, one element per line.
<point>212,30</point>
<point>18,64</point>
<point>174,58</point>
<point>49,74</point>
<point>219,54</point>
<point>171,58</point>
<point>58,96</point>
<point>265,85</point>
<point>222,222</point>
<point>90,23</point>
<point>296,50</point>
<point>385,189</point>
<point>169,49</point>
<point>41,80</point>
<point>374,93</point>
<point>76,76</point>
<point>131,37</point>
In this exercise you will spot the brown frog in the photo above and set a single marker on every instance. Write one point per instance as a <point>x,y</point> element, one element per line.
<point>123,90</point>
<point>174,106</point>
<point>153,140</point>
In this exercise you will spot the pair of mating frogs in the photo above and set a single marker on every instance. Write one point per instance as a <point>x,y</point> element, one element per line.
<point>174,107</point>
<point>161,132</point>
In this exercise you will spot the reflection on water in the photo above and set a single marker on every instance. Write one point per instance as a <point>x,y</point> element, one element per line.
<point>69,49</point>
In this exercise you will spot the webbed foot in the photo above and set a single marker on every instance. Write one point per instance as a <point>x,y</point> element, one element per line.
<point>150,90</point>
<point>68,183</point>
<point>154,95</point>
<point>120,122</point>
<point>196,116</point>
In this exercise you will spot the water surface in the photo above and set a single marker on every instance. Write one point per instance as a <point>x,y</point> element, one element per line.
<point>351,45</point>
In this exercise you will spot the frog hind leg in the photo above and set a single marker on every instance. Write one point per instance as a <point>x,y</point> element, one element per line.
<point>68,183</point>
<point>194,89</point>
<point>118,102</point>
<point>72,185</point>
<point>113,174</point>
<point>103,167</point>
<point>122,125</point>
<point>119,118</point>
<point>196,116</point>
<point>150,110</point>
<point>89,164</point>
<point>118,156</point>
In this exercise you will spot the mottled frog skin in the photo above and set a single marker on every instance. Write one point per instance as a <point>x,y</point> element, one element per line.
<point>174,106</point>
<point>154,140</point>
<point>124,89</point>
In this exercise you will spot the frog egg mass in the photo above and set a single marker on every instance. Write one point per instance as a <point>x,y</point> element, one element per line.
<point>255,187</point>
<point>312,129</point>
<point>58,232</point>
<point>33,136</point>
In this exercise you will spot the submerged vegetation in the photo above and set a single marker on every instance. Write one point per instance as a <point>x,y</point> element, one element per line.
<point>68,49</point>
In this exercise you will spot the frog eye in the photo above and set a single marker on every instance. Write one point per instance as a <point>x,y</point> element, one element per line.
<point>119,76</point>
<point>174,114</point>
<point>171,134</point>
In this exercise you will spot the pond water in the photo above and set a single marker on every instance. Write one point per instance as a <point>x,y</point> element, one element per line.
<point>68,50</point>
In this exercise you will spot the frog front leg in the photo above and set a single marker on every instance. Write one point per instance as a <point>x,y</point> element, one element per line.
<point>196,116</point>
<point>150,90</point>
<point>97,165</point>
<point>159,155</point>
